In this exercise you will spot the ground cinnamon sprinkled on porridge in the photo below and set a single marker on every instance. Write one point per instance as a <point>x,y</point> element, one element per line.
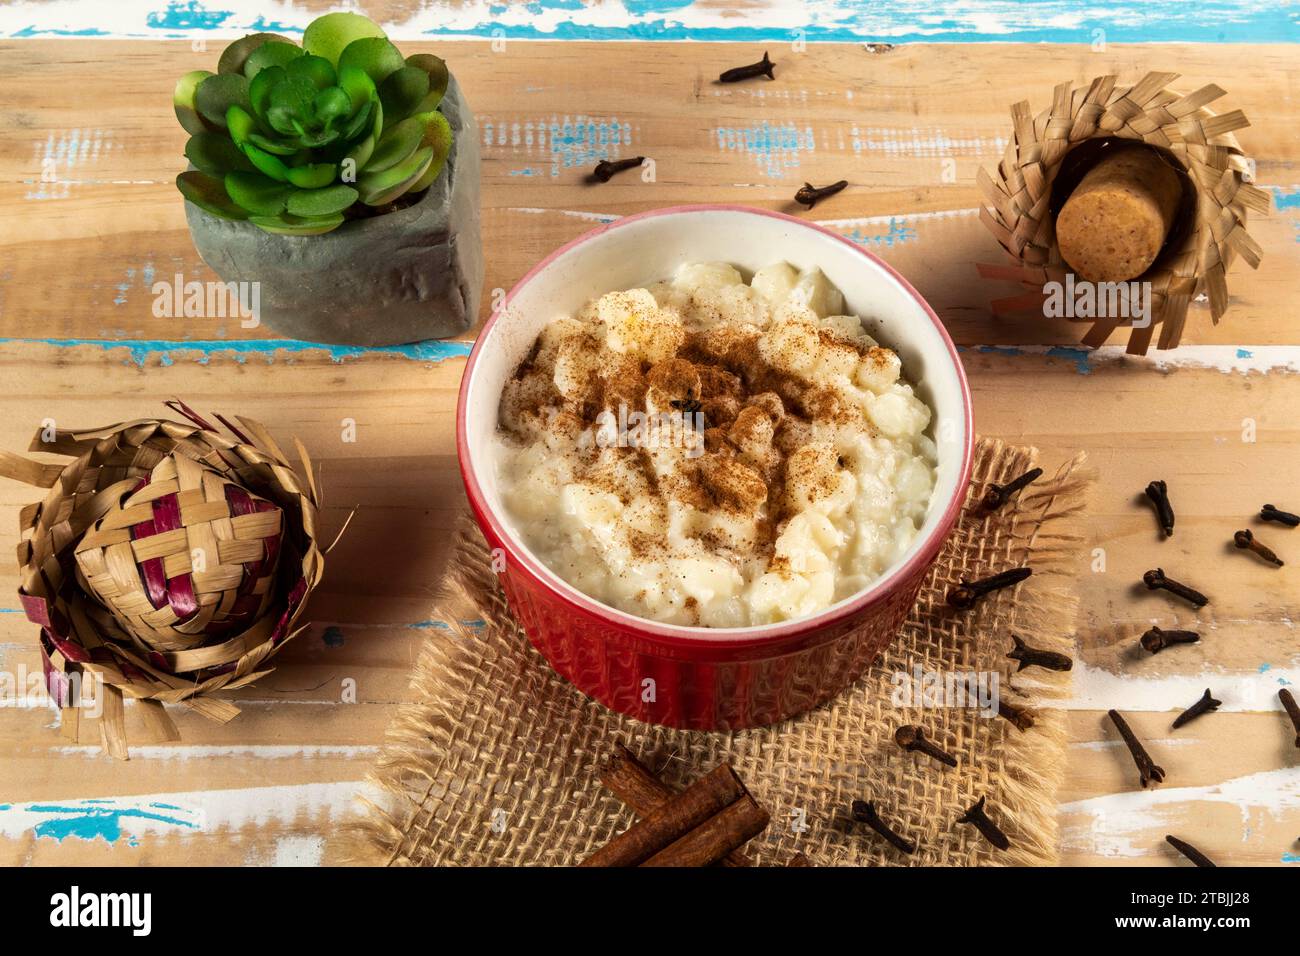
<point>714,452</point>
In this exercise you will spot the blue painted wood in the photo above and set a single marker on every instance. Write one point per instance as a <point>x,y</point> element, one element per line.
<point>143,351</point>
<point>772,21</point>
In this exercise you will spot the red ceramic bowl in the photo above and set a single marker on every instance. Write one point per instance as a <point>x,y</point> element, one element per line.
<point>695,677</point>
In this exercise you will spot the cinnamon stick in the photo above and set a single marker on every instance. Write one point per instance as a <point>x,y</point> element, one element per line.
<point>631,781</point>
<point>718,836</point>
<point>672,820</point>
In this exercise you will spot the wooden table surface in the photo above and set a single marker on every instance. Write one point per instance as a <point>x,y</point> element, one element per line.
<point>90,220</point>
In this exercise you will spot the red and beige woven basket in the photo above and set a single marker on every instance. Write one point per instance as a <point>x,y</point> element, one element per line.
<point>167,563</point>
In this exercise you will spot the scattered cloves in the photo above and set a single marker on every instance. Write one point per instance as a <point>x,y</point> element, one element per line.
<point>1158,492</point>
<point>968,593</point>
<point>605,169</point>
<point>1148,770</point>
<point>1189,851</point>
<point>1203,706</point>
<point>1155,579</point>
<point>912,738</point>
<point>1037,657</point>
<point>1021,718</point>
<point>977,818</point>
<point>1292,709</point>
<point>864,811</point>
<point>1157,639</point>
<point>1247,541</point>
<point>737,73</point>
<point>809,195</point>
<point>1269,513</point>
<point>995,496</point>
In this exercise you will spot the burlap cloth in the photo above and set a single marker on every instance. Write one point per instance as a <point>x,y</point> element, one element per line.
<point>495,762</point>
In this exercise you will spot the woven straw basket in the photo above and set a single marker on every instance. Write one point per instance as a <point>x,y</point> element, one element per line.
<point>1018,199</point>
<point>167,563</point>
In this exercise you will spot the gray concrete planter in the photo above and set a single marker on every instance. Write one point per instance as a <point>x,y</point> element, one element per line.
<point>412,274</point>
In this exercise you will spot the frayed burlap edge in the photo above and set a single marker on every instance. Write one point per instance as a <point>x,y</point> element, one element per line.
<point>495,760</point>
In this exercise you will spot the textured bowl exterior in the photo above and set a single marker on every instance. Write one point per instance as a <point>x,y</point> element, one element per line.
<point>702,688</point>
<point>688,677</point>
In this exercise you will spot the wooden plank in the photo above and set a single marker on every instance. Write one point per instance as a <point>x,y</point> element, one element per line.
<point>1231,789</point>
<point>770,21</point>
<point>889,123</point>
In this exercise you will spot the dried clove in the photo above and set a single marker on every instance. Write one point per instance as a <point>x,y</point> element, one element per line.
<point>687,406</point>
<point>1037,657</point>
<point>809,195</point>
<point>1148,770</point>
<point>1158,492</point>
<point>1203,706</point>
<point>1288,701</point>
<point>1269,513</point>
<point>968,593</point>
<point>605,169</point>
<point>1157,639</point>
<point>1020,717</point>
<point>1155,580</point>
<point>1189,851</point>
<point>977,818</point>
<point>912,738</point>
<point>737,73</point>
<point>864,811</point>
<point>1247,541</point>
<point>995,496</point>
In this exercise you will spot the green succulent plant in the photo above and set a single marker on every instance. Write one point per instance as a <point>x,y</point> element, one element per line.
<point>296,139</point>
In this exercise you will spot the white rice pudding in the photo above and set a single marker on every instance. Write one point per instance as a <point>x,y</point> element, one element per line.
<point>714,452</point>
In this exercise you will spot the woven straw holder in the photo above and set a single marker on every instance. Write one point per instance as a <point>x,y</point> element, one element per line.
<point>167,563</point>
<point>1018,199</point>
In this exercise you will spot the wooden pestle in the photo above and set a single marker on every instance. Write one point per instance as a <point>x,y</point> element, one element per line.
<point>1115,222</point>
